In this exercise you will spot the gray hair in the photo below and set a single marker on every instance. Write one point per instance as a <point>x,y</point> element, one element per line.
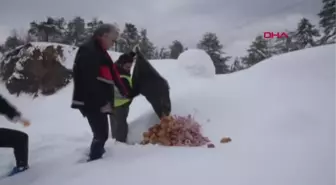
<point>105,28</point>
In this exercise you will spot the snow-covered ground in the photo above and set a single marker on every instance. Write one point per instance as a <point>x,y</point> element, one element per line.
<point>279,113</point>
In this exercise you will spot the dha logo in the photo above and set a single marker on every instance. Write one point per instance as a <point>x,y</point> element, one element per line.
<point>271,35</point>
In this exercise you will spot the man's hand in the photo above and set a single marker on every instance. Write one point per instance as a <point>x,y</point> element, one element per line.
<point>24,121</point>
<point>106,108</point>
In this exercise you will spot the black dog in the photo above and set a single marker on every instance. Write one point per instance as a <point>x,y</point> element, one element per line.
<point>148,82</point>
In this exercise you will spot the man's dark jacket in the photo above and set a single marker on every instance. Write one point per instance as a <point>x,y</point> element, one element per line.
<point>94,75</point>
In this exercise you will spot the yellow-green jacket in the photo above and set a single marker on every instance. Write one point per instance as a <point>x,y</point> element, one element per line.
<point>120,100</point>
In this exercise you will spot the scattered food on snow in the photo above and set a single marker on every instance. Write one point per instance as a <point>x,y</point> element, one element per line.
<point>226,140</point>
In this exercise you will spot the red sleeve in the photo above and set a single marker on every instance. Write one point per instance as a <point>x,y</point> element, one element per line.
<point>116,78</point>
<point>105,73</point>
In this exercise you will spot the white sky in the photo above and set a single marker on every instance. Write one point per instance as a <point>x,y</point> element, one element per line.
<point>236,22</point>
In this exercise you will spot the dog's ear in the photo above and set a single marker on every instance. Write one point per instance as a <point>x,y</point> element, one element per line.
<point>136,49</point>
<point>138,52</point>
<point>139,55</point>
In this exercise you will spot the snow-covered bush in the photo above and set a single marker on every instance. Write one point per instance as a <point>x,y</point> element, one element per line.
<point>176,131</point>
<point>35,69</point>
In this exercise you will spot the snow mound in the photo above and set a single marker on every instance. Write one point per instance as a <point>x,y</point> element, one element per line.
<point>198,63</point>
<point>26,68</point>
<point>279,113</point>
<point>68,52</point>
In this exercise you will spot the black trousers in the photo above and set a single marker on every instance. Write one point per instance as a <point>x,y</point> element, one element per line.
<point>99,125</point>
<point>18,141</point>
<point>118,121</point>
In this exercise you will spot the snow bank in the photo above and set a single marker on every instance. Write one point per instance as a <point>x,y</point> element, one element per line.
<point>197,63</point>
<point>279,114</point>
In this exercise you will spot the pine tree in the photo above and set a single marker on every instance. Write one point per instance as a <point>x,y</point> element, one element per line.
<point>75,33</point>
<point>211,44</point>
<point>306,34</point>
<point>121,45</point>
<point>92,26</point>
<point>13,41</point>
<point>50,30</point>
<point>35,31</point>
<point>60,30</point>
<point>259,50</point>
<point>328,21</point>
<point>2,49</point>
<point>147,47</point>
<point>284,44</point>
<point>176,49</point>
<point>156,54</point>
<point>164,53</point>
<point>128,38</point>
<point>27,38</point>
<point>236,66</point>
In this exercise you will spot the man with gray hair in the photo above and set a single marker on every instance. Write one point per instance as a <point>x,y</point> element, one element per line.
<point>95,75</point>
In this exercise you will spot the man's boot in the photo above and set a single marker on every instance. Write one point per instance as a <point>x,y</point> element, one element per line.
<point>97,150</point>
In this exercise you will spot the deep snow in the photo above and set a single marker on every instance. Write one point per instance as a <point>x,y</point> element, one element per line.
<point>279,113</point>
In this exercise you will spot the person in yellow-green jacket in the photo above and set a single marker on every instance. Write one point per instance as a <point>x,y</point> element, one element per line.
<point>118,121</point>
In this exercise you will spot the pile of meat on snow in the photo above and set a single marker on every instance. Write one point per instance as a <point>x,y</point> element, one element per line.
<point>178,131</point>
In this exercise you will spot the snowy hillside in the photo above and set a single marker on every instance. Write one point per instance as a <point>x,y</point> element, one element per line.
<point>279,113</point>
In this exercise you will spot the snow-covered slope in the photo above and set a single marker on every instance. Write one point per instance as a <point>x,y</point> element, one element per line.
<point>279,113</point>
